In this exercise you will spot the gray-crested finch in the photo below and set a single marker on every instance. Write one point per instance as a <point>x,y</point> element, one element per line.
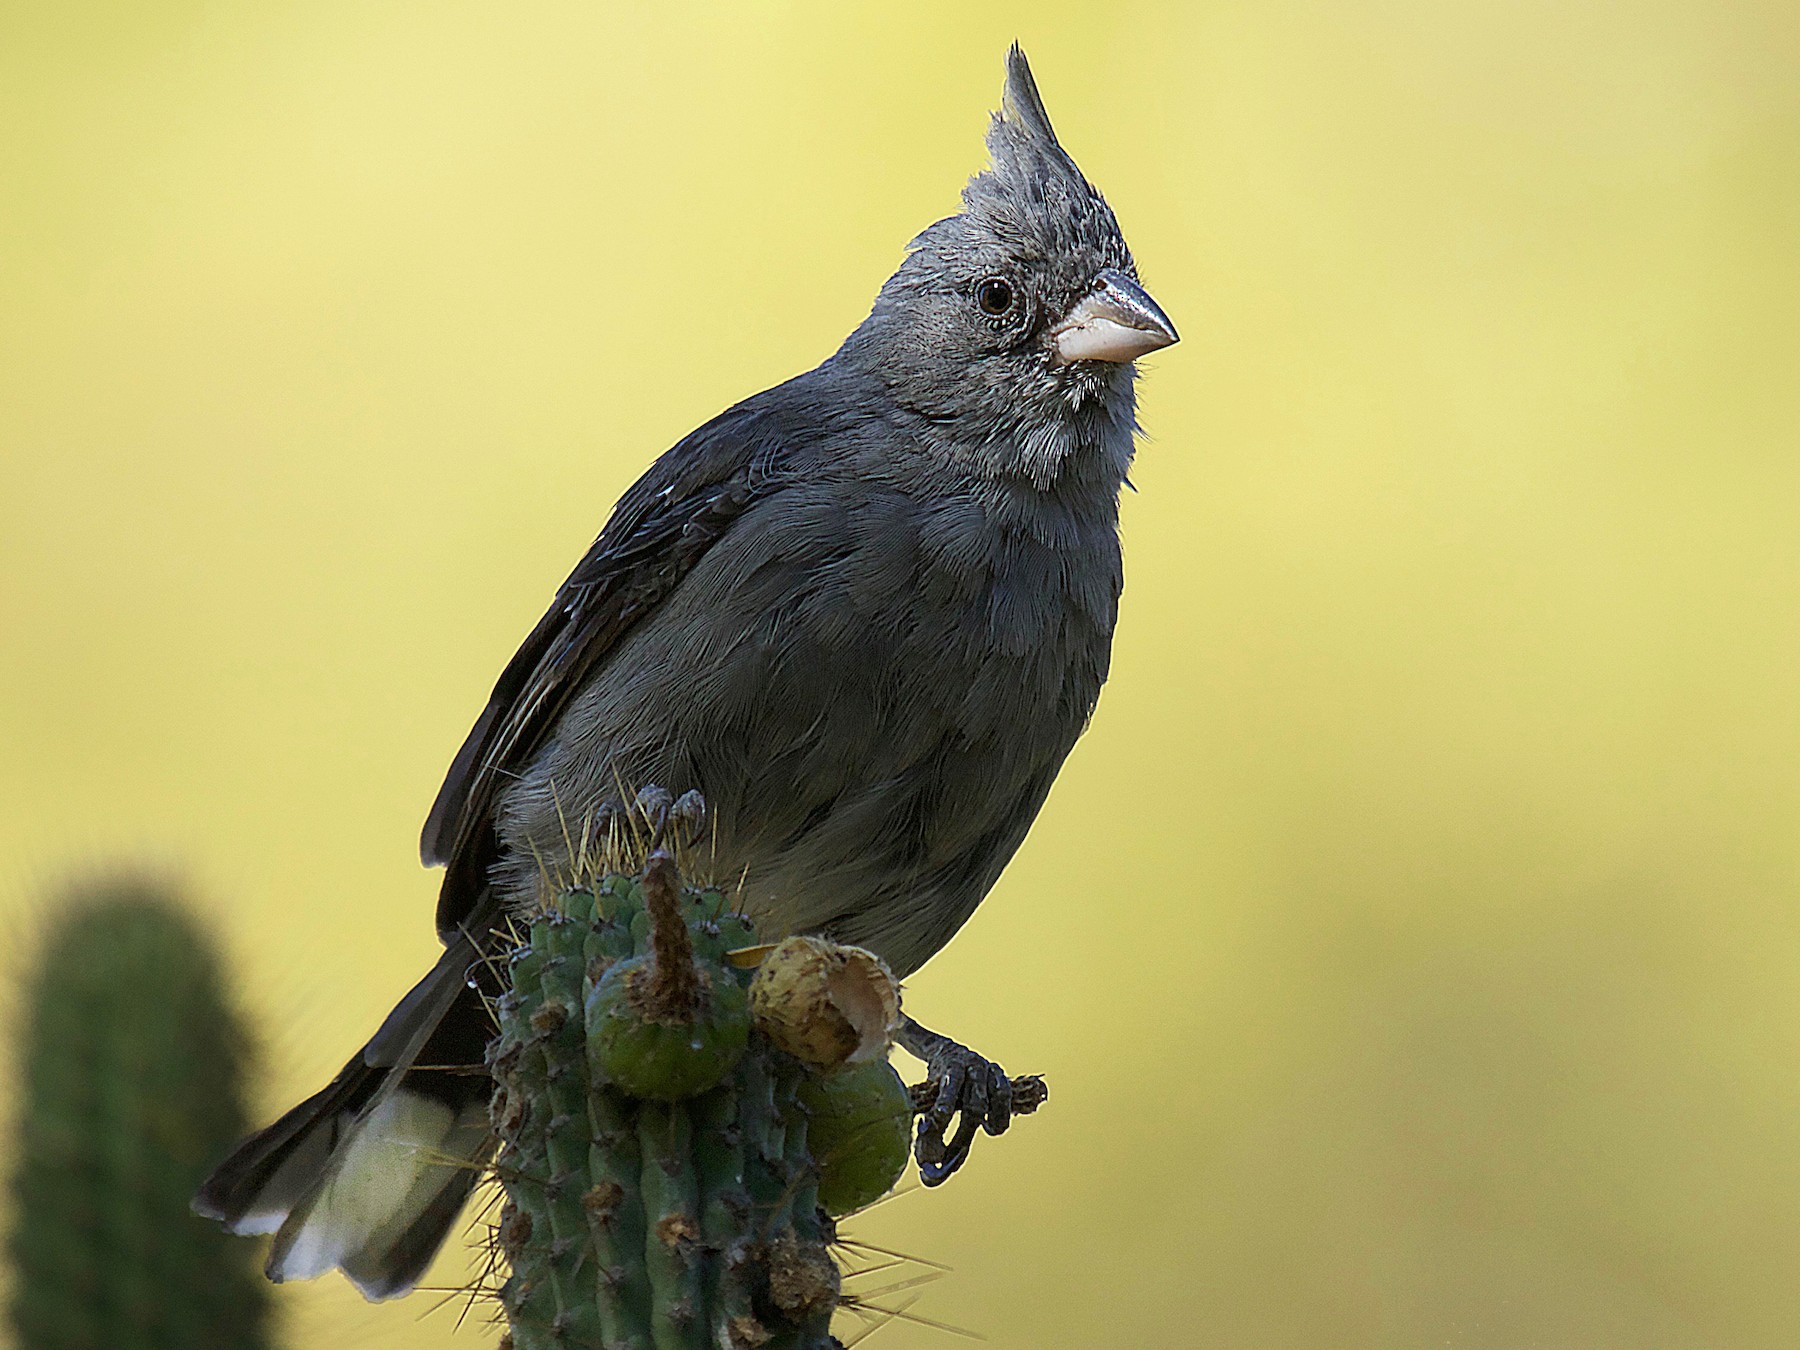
<point>865,614</point>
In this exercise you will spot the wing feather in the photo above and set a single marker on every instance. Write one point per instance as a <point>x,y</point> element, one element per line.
<point>682,505</point>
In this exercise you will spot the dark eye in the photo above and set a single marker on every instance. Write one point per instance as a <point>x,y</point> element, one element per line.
<point>995,296</point>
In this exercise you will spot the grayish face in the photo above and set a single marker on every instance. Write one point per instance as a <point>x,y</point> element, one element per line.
<point>1024,306</point>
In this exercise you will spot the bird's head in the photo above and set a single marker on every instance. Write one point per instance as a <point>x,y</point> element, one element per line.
<point>1024,308</point>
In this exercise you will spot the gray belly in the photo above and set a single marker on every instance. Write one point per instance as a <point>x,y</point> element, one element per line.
<point>873,728</point>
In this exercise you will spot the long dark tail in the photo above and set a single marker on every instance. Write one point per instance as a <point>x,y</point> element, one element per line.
<point>369,1174</point>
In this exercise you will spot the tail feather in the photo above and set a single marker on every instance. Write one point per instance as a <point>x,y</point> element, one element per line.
<point>271,1171</point>
<point>418,1021</point>
<point>368,1174</point>
<point>397,1267</point>
<point>383,1209</point>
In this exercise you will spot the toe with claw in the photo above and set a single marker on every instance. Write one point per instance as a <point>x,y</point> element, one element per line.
<point>667,819</point>
<point>960,1083</point>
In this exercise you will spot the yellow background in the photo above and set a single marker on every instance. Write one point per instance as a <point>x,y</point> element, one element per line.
<point>1413,944</point>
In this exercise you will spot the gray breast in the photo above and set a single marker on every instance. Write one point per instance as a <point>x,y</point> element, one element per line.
<point>872,691</point>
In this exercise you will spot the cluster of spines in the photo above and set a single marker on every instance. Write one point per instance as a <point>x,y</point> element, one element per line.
<point>634,1224</point>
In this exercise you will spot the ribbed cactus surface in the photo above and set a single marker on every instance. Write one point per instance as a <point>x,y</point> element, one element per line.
<point>661,1190</point>
<point>133,1067</point>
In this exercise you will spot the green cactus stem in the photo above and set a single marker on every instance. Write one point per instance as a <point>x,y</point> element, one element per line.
<point>663,1192</point>
<point>133,1065</point>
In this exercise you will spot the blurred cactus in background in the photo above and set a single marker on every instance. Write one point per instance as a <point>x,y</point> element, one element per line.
<point>133,1065</point>
<point>667,1182</point>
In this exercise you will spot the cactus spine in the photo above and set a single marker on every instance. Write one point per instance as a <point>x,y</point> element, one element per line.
<point>661,1190</point>
<point>133,1067</point>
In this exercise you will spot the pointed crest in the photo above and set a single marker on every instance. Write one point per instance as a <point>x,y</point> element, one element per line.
<point>1026,156</point>
<point>1021,103</point>
<point>1031,203</point>
<point>1032,192</point>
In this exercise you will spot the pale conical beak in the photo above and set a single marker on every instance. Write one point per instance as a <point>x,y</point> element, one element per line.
<point>1116,321</point>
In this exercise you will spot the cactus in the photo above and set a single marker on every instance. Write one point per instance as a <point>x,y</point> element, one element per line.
<point>133,1068</point>
<point>662,1189</point>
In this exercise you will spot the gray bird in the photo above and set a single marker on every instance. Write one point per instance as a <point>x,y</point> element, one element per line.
<point>865,614</point>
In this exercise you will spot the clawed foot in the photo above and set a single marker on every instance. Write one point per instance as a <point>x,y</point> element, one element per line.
<point>661,817</point>
<point>959,1081</point>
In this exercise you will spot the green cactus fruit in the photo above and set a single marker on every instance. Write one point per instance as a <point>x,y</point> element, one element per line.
<point>663,1192</point>
<point>133,1064</point>
<point>660,1026</point>
<point>859,1129</point>
<point>663,1061</point>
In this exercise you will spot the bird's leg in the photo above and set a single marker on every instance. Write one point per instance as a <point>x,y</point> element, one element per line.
<point>960,1081</point>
